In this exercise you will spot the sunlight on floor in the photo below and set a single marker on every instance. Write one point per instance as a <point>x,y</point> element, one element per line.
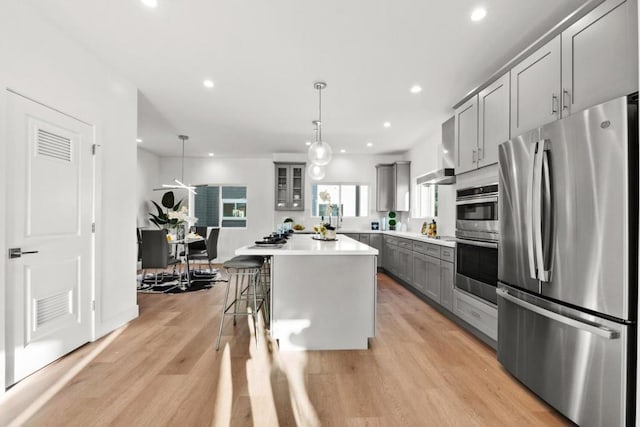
<point>224,401</point>
<point>266,365</point>
<point>42,400</point>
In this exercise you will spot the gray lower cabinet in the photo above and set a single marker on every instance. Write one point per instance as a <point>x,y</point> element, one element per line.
<point>375,241</point>
<point>477,313</point>
<point>354,236</point>
<point>404,264</point>
<point>447,272</point>
<point>389,259</point>
<point>419,272</point>
<point>427,267</point>
<point>364,238</point>
<point>432,289</point>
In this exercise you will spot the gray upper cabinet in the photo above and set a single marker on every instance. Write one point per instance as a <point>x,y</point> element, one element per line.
<point>289,191</point>
<point>535,89</point>
<point>600,56</point>
<point>493,120</point>
<point>385,187</point>
<point>393,186</point>
<point>482,123</point>
<point>466,135</point>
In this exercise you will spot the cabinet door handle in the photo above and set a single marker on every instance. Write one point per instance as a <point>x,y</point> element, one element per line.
<point>566,100</point>
<point>479,154</point>
<point>554,103</point>
<point>473,156</point>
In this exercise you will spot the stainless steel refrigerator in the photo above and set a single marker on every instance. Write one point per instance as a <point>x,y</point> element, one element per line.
<point>568,262</point>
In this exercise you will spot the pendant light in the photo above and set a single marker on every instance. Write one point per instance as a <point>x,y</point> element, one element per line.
<point>319,151</point>
<point>179,184</point>
<point>316,172</point>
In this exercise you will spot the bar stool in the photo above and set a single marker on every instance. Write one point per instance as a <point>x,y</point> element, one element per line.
<point>243,273</point>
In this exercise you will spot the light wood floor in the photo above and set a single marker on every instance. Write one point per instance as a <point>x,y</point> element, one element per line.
<point>162,369</point>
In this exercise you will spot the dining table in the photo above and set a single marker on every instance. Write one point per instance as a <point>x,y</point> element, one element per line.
<point>181,246</point>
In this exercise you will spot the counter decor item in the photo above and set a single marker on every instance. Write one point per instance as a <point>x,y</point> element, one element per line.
<point>375,225</point>
<point>424,228</point>
<point>324,232</point>
<point>432,230</point>
<point>330,232</point>
<point>392,221</point>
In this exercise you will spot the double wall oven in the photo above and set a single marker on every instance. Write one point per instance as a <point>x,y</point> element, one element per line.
<point>477,241</point>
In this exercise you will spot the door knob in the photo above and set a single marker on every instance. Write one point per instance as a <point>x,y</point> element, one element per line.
<point>17,253</point>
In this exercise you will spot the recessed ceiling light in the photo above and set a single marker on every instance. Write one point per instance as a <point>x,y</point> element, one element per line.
<point>150,3</point>
<point>308,143</point>
<point>386,124</point>
<point>369,144</point>
<point>343,151</point>
<point>478,14</point>
<point>208,83</point>
<point>210,154</point>
<point>415,89</point>
<point>138,140</point>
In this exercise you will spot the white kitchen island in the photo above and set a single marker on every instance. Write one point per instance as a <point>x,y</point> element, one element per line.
<point>323,294</point>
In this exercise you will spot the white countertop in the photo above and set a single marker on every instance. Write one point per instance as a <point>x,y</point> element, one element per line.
<point>402,234</point>
<point>303,244</point>
<point>421,237</point>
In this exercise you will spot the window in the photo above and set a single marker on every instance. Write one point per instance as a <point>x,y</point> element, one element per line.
<point>427,203</point>
<point>353,199</point>
<point>221,206</point>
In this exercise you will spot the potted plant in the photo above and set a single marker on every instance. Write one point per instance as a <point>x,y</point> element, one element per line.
<point>173,218</point>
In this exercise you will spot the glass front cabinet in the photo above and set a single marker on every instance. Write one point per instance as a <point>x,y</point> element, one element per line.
<point>289,186</point>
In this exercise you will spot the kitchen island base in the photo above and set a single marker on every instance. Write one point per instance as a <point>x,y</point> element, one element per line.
<point>323,302</point>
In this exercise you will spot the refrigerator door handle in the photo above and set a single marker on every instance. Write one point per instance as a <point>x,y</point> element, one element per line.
<point>595,329</point>
<point>544,225</point>
<point>529,212</point>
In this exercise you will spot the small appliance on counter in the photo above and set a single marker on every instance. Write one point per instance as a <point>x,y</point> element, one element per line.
<point>375,225</point>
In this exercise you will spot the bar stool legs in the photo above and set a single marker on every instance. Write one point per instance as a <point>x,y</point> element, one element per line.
<point>244,275</point>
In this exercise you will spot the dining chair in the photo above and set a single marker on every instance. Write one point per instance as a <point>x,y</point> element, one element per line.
<point>211,249</point>
<point>155,253</point>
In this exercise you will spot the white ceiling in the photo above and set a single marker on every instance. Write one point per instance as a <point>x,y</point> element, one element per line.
<point>265,55</point>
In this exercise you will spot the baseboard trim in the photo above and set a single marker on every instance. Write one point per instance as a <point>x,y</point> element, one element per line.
<point>116,321</point>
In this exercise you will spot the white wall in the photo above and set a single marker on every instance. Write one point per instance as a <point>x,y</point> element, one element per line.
<point>256,174</point>
<point>425,157</point>
<point>343,168</point>
<point>148,178</point>
<point>40,62</point>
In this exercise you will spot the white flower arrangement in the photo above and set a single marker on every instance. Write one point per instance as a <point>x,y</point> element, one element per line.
<point>182,216</point>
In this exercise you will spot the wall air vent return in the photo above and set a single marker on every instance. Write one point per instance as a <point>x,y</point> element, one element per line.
<point>54,146</point>
<point>52,307</point>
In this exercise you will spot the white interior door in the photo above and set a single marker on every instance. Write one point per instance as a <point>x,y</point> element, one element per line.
<point>49,220</point>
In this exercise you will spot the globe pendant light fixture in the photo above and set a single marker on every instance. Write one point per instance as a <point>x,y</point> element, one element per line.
<point>316,172</point>
<point>319,152</point>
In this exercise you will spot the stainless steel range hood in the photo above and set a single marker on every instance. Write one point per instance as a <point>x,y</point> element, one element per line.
<point>446,175</point>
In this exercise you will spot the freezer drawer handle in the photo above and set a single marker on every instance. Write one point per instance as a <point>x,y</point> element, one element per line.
<point>579,324</point>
